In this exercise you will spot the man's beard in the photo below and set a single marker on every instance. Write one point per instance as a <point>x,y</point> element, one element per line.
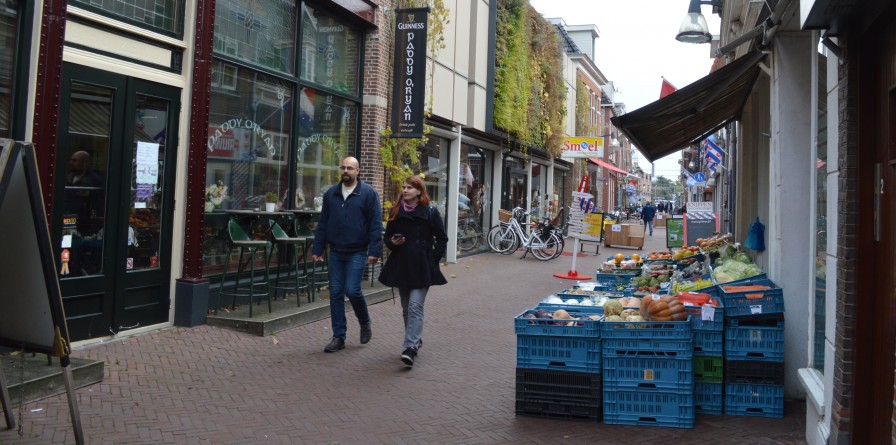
<point>347,179</point>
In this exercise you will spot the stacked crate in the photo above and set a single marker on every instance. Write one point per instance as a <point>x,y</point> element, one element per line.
<point>559,364</point>
<point>708,326</point>
<point>754,349</point>
<point>648,373</point>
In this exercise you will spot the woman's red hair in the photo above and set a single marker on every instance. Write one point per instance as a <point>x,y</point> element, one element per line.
<point>423,199</point>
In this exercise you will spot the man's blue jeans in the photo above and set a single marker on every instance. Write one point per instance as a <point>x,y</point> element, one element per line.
<point>346,270</point>
<point>649,226</point>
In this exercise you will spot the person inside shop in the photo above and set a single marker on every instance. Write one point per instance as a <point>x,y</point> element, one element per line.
<point>85,201</point>
<point>417,240</point>
<point>647,214</point>
<point>351,225</point>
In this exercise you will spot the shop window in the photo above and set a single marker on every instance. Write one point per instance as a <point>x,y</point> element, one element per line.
<point>821,194</point>
<point>259,32</point>
<point>474,192</point>
<point>9,41</point>
<point>161,15</point>
<point>434,166</point>
<point>330,51</point>
<point>249,142</point>
<point>327,132</point>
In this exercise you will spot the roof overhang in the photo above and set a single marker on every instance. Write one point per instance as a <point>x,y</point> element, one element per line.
<point>692,113</point>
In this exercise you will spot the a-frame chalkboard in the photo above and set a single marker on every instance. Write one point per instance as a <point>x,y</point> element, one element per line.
<point>32,317</point>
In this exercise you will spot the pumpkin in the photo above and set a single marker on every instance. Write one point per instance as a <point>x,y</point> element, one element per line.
<point>667,308</point>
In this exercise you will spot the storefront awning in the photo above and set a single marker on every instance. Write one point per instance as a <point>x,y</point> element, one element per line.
<point>607,165</point>
<point>693,112</point>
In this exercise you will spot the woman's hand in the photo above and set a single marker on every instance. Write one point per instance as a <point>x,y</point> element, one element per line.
<point>397,239</point>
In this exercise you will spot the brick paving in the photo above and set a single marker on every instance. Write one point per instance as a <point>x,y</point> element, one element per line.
<point>209,385</point>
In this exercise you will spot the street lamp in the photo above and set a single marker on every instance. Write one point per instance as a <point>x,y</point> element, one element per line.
<point>693,27</point>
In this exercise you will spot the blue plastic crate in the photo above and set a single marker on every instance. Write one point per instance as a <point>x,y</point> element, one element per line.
<point>752,302</point>
<point>559,328</point>
<point>673,409</point>
<point>708,342</point>
<point>629,373</point>
<point>575,354</point>
<point>754,343</point>
<point>612,278</point>
<point>650,330</point>
<point>633,347</point>
<point>709,397</point>
<point>717,321</point>
<point>747,399</point>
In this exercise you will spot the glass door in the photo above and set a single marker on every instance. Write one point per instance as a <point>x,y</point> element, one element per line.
<point>112,216</point>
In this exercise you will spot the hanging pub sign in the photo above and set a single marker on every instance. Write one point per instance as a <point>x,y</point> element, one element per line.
<point>409,93</point>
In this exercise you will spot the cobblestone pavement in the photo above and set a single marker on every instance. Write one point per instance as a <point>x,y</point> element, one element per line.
<point>209,385</point>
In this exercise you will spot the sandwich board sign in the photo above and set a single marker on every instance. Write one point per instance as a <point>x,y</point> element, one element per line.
<point>32,319</point>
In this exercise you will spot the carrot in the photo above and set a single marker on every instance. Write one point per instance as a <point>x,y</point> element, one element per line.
<point>745,288</point>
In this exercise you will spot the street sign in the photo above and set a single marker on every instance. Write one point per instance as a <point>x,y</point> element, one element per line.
<point>699,177</point>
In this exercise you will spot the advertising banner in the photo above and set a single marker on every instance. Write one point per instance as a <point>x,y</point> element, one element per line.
<point>409,94</point>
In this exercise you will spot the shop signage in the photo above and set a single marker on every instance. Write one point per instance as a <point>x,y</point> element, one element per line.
<point>409,93</point>
<point>582,148</point>
<point>699,206</point>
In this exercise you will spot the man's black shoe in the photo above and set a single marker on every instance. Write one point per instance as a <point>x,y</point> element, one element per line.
<point>408,356</point>
<point>366,333</point>
<point>335,345</point>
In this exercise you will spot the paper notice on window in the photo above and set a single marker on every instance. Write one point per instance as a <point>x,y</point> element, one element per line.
<point>147,160</point>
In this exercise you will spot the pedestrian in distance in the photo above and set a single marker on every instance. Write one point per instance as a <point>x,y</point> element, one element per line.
<point>647,214</point>
<point>351,225</point>
<point>416,239</point>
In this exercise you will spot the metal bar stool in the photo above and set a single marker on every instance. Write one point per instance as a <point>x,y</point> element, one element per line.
<point>295,280</point>
<point>238,238</point>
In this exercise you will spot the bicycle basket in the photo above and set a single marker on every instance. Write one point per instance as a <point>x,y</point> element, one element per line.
<point>504,215</point>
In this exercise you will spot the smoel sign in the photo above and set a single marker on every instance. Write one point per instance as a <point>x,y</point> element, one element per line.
<point>582,148</point>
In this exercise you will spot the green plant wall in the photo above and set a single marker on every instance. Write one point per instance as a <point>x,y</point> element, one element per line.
<point>584,127</point>
<point>530,95</point>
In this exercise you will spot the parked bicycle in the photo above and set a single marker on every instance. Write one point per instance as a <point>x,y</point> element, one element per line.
<point>544,241</point>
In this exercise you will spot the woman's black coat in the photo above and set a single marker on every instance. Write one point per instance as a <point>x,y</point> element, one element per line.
<point>415,264</point>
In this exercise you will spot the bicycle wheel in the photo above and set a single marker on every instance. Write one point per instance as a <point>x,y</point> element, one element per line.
<point>501,239</point>
<point>562,244</point>
<point>549,249</point>
<point>467,237</point>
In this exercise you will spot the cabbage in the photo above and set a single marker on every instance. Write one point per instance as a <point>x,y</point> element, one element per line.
<point>572,301</point>
<point>553,299</point>
<point>734,270</point>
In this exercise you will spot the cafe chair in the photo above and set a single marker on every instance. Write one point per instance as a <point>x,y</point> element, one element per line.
<point>248,247</point>
<point>295,279</point>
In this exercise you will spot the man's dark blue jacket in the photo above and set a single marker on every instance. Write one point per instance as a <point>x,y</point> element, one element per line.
<point>648,212</point>
<point>350,225</point>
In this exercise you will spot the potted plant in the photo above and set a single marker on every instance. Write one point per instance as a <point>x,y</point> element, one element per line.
<point>270,201</point>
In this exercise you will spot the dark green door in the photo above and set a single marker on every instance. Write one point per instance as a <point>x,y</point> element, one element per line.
<point>114,201</point>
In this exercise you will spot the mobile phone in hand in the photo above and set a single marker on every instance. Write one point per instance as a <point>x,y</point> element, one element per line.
<point>397,236</point>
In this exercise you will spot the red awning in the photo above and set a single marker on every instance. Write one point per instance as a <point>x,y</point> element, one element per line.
<point>608,166</point>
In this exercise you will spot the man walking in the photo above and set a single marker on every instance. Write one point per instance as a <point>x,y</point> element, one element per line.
<point>647,214</point>
<point>351,223</point>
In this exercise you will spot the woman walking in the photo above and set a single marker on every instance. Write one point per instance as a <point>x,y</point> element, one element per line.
<point>416,238</point>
